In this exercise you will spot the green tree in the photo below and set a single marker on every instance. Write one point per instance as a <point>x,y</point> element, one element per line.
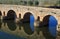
<point>30,3</point>
<point>36,3</point>
<point>25,2</point>
<point>57,3</point>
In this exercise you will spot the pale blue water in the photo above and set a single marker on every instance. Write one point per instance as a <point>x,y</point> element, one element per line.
<point>4,35</point>
<point>47,32</point>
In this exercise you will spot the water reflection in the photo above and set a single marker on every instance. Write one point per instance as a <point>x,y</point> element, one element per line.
<point>27,28</point>
<point>0,23</point>
<point>46,33</point>
<point>20,24</point>
<point>11,24</point>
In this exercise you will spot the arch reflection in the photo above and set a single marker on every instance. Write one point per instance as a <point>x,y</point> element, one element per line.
<point>11,25</point>
<point>47,29</point>
<point>0,23</point>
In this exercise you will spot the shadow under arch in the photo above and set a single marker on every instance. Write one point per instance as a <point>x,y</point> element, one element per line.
<point>26,17</point>
<point>11,15</point>
<point>0,19</point>
<point>0,13</point>
<point>46,20</point>
<point>28,20</point>
<point>46,25</point>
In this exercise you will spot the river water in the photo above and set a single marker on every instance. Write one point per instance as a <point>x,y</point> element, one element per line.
<point>9,29</point>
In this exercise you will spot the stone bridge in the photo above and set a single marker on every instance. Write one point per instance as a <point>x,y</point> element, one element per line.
<point>20,11</point>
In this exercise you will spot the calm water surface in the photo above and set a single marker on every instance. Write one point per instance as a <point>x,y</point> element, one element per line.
<point>9,29</point>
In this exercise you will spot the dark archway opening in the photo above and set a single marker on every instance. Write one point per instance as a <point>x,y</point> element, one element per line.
<point>0,13</point>
<point>11,15</point>
<point>28,20</point>
<point>0,18</point>
<point>26,17</point>
<point>50,22</point>
<point>19,15</point>
<point>46,20</point>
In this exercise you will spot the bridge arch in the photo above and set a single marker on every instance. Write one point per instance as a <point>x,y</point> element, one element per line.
<point>11,14</point>
<point>51,22</point>
<point>27,15</point>
<point>46,19</point>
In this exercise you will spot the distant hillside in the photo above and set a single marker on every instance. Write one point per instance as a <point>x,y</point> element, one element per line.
<point>26,2</point>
